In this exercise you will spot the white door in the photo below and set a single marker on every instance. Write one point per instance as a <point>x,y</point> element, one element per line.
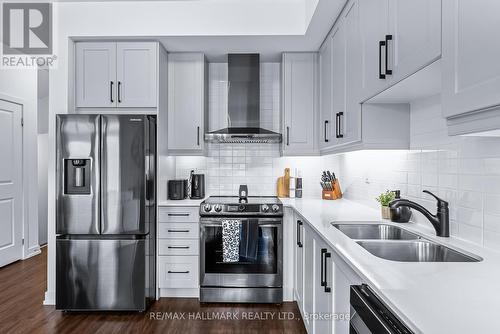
<point>374,21</point>
<point>11,223</point>
<point>299,102</point>
<point>185,101</point>
<point>136,74</point>
<point>95,83</point>
<point>471,54</point>
<point>339,81</point>
<point>322,287</point>
<point>309,277</point>
<point>416,35</point>
<point>299,263</point>
<point>327,127</point>
<point>351,122</point>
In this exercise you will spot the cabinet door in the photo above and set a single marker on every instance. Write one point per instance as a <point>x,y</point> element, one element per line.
<point>299,75</point>
<point>415,27</point>
<point>137,74</point>
<point>322,287</point>
<point>309,277</point>
<point>186,88</point>
<point>350,122</point>
<point>374,20</point>
<point>339,80</point>
<point>299,263</point>
<point>327,125</point>
<point>471,53</point>
<point>95,84</point>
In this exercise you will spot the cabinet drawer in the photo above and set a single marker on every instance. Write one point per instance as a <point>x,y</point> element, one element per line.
<point>178,271</point>
<point>179,214</point>
<point>179,231</point>
<point>178,247</point>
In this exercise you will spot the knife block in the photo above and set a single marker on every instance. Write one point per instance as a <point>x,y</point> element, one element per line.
<point>334,194</point>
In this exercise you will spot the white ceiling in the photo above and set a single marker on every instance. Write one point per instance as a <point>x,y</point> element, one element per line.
<point>216,48</point>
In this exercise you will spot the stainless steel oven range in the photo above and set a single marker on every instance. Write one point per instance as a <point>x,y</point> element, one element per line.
<point>241,250</point>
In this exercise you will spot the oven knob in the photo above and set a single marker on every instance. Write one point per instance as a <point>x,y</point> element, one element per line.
<point>276,207</point>
<point>218,207</point>
<point>265,208</point>
<point>241,207</point>
<point>207,207</point>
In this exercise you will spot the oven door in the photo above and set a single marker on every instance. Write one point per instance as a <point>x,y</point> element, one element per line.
<point>260,261</point>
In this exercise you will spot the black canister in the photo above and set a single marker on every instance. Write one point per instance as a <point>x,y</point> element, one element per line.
<point>401,214</point>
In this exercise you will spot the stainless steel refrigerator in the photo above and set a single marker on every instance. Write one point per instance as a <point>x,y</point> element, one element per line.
<point>105,212</point>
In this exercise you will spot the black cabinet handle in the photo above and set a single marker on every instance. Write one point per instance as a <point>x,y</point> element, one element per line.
<point>326,257</point>
<point>178,272</point>
<point>288,136</point>
<point>178,214</point>
<point>178,247</point>
<point>111,91</point>
<point>198,136</point>
<point>341,130</point>
<point>336,125</point>
<point>326,129</point>
<point>178,231</point>
<point>299,241</point>
<point>322,270</point>
<point>387,39</point>
<point>381,75</point>
<point>119,92</point>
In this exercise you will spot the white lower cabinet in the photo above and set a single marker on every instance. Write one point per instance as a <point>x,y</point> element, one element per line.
<point>321,282</point>
<point>178,252</point>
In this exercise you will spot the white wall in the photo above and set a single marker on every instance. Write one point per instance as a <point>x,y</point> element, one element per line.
<point>465,171</point>
<point>22,84</point>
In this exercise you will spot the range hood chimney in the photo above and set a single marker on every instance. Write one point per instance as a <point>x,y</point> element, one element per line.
<point>243,104</point>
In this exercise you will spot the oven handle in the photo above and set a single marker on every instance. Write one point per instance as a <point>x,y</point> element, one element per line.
<point>219,223</point>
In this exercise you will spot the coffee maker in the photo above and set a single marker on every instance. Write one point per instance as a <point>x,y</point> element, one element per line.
<point>197,185</point>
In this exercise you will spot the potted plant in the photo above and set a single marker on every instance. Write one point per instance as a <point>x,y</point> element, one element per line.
<point>384,199</point>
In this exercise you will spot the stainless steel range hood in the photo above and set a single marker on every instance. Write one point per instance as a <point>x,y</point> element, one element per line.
<point>243,104</point>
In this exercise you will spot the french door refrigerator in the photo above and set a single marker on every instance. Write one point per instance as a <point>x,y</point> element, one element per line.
<point>105,212</point>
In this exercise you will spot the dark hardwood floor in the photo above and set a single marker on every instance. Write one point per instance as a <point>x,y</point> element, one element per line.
<point>23,284</point>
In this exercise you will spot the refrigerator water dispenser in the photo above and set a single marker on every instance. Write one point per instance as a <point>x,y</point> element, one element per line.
<point>77,176</point>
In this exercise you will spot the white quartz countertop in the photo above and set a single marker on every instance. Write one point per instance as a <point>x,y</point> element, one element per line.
<point>430,297</point>
<point>181,202</point>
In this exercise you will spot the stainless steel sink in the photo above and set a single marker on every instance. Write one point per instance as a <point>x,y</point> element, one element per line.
<point>375,231</point>
<point>415,251</point>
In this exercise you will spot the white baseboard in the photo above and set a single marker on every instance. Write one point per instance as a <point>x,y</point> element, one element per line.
<point>50,298</point>
<point>180,293</point>
<point>32,251</point>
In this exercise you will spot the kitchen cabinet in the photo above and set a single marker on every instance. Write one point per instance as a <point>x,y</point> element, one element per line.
<point>178,251</point>
<point>309,277</point>
<point>327,127</point>
<point>398,39</point>
<point>471,70</point>
<point>323,290</point>
<point>299,96</point>
<point>116,74</point>
<point>186,103</point>
<point>298,289</point>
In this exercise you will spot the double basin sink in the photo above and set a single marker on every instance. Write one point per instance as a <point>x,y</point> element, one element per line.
<point>393,243</point>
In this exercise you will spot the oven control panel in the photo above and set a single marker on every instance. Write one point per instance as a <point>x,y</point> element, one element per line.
<point>207,209</point>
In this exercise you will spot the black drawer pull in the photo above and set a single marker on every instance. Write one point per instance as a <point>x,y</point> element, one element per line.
<point>299,241</point>
<point>387,39</point>
<point>178,247</point>
<point>327,288</point>
<point>178,214</point>
<point>111,91</point>
<point>326,129</point>
<point>178,272</point>
<point>174,231</point>
<point>322,274</point>
<point>119,92</point>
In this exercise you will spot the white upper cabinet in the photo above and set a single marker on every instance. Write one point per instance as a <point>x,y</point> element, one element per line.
<point>137,74</point>
<point>399,37</point>
<point>114,75</point>
<point>374,27</point>
<point>326,91</point>
<point>299,103</point>
<point>186,103</point>
<point>414,39</point>
<point>471,54</point>
<point>95,83</point>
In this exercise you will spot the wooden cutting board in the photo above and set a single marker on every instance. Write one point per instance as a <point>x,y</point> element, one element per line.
<point>283,186</point>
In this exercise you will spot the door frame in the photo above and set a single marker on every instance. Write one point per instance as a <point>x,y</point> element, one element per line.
<point>24,176</point>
